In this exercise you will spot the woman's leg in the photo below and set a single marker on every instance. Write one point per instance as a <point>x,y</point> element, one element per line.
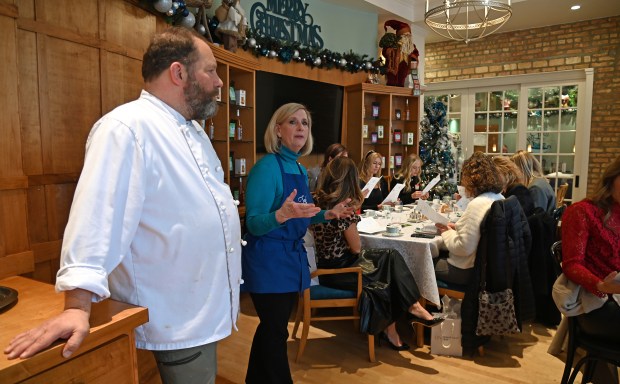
<point>268,356</point>
<point>451,274</point>
<point>602,322</point>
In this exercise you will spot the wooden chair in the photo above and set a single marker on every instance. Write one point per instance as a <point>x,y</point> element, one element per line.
<point>559,194</point>
<point>318,296</point>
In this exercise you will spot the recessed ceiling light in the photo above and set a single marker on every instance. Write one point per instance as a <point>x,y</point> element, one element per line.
<point>575,7</point>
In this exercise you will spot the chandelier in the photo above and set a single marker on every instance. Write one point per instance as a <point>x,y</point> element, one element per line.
<point>467,20</point>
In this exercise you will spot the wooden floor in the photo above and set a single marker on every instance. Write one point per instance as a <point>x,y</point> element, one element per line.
<point>336,353</point>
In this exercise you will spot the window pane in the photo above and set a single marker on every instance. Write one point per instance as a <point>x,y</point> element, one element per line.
<point>511,100</point>
<point>510,122</point>
<point>496,102</point>
<point>480,142</point>
<point>552,120</point>
<point>533,142</point>
<point>509,143</point>
<point>534,98</point>
<point>454,125</point>
<point>552,97</point>
<point>550,142</point>
<point>534,121</point>
<point>569,96</point>
<point>481,101</point>
<point>567,164</point>
<point>568,120</point>
<point>567,142</point>
<point>455,103</point>
<point>480,123</point>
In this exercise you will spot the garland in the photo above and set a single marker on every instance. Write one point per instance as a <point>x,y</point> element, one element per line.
<point>178,13</point>
<point>317,58</point>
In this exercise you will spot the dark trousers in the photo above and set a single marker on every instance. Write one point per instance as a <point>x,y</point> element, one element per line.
<point>268,357</point>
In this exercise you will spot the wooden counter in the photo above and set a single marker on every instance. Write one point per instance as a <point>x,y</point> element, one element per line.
<point>107,355</point>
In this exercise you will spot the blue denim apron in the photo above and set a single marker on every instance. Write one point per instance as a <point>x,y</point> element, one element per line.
<point>276,262</point>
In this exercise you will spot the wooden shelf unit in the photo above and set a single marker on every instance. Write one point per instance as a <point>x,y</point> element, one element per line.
<point>359,99</point>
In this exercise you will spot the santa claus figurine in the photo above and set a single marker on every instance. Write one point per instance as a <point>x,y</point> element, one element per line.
<point>399,52</point>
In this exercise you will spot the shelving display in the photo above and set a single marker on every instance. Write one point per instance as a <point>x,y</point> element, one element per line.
<point>384,119</point>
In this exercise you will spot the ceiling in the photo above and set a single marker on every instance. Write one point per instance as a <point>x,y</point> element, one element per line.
<point>526,14</point>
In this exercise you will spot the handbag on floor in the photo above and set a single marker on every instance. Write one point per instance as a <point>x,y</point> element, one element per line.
<point>496,310</point>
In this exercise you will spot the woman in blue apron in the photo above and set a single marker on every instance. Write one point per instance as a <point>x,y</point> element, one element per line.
<point>279,209</point>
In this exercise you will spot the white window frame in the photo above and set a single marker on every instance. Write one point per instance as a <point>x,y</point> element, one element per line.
<point>584,78</point>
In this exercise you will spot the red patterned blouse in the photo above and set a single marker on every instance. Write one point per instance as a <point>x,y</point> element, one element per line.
<point>590,249</point>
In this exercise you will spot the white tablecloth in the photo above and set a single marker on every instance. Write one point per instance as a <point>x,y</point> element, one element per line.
<point>417,252</point>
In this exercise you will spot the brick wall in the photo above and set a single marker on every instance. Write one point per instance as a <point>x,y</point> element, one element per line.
<point>588,44</point>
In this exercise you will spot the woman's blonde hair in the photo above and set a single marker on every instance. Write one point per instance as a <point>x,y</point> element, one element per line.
<point>508,171</point>
<point>404,173</point>
<point>272,142</point>
<point>530,167</point>
<point>338,181</point>
<point>367,161</point>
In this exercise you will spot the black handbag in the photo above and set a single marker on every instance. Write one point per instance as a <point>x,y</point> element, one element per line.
<point>496,310</point>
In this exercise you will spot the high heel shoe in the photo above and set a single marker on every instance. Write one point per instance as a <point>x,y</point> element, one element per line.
<point>403,347</point>
<point>427,323</point>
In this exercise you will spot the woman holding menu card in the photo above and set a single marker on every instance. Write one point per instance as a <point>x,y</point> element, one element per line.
<point>410,174</point>
<point>483,185</point>
<point>377,190</point>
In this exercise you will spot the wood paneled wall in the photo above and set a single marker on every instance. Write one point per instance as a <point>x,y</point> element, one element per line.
<point>64,65</point>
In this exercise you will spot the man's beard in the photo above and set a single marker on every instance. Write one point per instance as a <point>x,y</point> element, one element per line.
<point>201,104</point>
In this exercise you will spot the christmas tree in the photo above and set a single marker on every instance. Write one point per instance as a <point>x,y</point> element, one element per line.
<point>436,150</point>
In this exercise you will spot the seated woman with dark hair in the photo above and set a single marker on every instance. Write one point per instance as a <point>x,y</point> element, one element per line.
<point>591,252</point>
<point>333,151</point>
<point>483,185</point>
<point>338,245</point>
<point>511,176</point>
<point>371,167</point>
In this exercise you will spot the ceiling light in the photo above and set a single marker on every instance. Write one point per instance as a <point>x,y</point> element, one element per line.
<point>467,20</point>
<point>575,7</point>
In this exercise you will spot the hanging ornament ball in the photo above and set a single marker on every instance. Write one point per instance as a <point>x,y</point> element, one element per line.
<point>185,12</point>
<point>317,61</point>
<point>273,53</point>
<point>163,6</point>
<point>171,12</point>
<point>251,42</point>
<point>343,63</point>
<point>201,29</point>
<point>368,65</point>
<point>175,5</point>
<point>295,54</point>
<point>188,21</point>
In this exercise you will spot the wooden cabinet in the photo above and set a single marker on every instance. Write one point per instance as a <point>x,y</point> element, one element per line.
<point>107,355</point>
<point>384,119</point>
<point>233,148</point>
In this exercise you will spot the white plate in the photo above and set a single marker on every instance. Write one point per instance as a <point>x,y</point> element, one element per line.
<point>387,234</point>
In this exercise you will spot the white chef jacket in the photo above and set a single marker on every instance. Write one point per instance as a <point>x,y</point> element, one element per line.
<point>153,224</point>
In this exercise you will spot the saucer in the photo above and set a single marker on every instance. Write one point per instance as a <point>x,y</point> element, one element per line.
<point>388,234</point>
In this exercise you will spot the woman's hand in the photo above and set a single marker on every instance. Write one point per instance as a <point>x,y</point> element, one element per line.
<point>609,284</point>
<point>419,195</point>
<point>292,210</point>
<point>340,210</point>
<point>442,228</point>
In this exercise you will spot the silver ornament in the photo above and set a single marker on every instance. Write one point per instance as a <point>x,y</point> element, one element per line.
<point>343,62</point>
<point>201,29</point>
<point>175,5</point>
<point>251,42</point>
<point>295,54</point>
<point>170,12</point>
<point>273,54</point>
<point>163,6</point>
<point>317,61</point>
<point>188,21</point>
<point>368,65</point>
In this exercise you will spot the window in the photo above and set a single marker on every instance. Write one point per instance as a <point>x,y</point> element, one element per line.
<point>548,114</point>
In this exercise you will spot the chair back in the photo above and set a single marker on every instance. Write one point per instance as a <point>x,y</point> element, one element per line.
<point>560,193</point>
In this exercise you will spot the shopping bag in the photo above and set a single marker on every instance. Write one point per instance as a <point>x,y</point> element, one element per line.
<point>446,338</point>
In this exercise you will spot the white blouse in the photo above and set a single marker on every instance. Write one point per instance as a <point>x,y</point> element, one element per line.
<point>153,224</point>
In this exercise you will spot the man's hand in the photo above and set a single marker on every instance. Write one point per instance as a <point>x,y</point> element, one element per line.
<point>72,324</point>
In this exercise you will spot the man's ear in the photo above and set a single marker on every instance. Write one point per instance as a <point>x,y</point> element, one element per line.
<point>178,74</point>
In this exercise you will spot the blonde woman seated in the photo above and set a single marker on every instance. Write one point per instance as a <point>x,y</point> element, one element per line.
<point>533,178</point>
<point>371,167</point>
<point>483,185</point>
<point>411,175</point>
<point>338,245</point>
<point>511,177</point>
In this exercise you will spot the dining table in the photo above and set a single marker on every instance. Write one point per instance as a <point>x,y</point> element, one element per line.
<point>418,252</point>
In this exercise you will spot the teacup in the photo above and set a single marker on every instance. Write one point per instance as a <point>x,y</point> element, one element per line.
<point>370,213</point>
<point>398,208</point>
<point>393,229</point>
